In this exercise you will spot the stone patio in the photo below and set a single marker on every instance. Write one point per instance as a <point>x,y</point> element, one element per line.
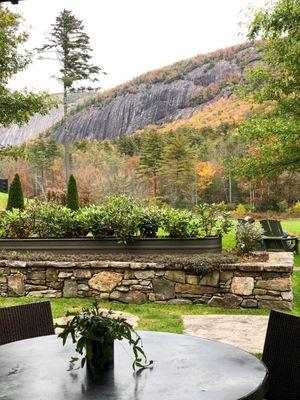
<point>245,331</point>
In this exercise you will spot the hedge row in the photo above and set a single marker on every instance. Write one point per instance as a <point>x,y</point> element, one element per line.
<point>121,216</point>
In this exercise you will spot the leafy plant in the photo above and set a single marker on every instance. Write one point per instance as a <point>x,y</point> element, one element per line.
<point>15,224</point>
<point>247,237</point>
<point>180,223</point>
<point>15,195</point>
<point>214,221</point>
<point>94,325</point>
<point>149,221</point>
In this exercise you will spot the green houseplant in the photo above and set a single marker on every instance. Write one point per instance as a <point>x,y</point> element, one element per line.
<point>94,332</point>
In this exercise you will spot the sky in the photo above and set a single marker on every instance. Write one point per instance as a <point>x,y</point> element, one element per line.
<point>131,37</point>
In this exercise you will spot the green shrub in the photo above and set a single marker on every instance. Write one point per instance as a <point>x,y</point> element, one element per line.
<point>214,221</point>
<point>72,200</point>
<point>180,223</point>
<point>15,195</point>
<point>149,221</point>
<point>55,221</point>
<point>15,224</point>
<point>247,237</point>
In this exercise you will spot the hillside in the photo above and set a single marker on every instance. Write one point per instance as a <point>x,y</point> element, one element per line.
<point>159,97</point>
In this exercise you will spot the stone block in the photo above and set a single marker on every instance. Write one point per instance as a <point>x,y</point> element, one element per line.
<point>225,275</point>
<point>279,284</point>
<point>180,302</point>
<point>64,275</point>
<point>16,284</point>
<point>280,305</point>
<point>33,275</point>
<point>83,287</point>
<point>144,274</point>
<point>210,279</point>
<point>242,285</point>
<point>134,297</point>
<point>288,296</point>
<point>45,293</point>
<point>105,281</point>
<point>70,288</point>
<point>194,289</point>
<point>51,274</point>
<point>192,279</point>
<point>227,301</point>
<point>175,276</point>
<point>127,282</point>
<point>128,274</point>
<point>163,289</point>
<point>82,274</point>
<point>249,303</point>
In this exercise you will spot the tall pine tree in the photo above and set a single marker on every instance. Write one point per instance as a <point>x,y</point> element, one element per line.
<point>179,171</point>
<point>70,44</point>
<point>151,160</point>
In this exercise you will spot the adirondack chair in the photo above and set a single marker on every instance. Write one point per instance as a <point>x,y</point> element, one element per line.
<point>274,238</point>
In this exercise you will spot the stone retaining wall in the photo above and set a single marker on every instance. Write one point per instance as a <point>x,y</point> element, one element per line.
<point>255,285</point>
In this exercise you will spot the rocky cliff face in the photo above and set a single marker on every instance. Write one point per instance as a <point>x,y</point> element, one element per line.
<point>158,97</point>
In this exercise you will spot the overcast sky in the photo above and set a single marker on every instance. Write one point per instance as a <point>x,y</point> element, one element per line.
<point>130,37</point>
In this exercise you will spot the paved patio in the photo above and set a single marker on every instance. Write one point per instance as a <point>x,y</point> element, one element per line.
<point>244,331</point>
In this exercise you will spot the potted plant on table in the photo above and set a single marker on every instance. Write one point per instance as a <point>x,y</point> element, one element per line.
<point>94,332</point>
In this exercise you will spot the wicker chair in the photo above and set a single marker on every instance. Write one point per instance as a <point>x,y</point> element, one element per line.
<point>282,356</point>
<point>25,321</point>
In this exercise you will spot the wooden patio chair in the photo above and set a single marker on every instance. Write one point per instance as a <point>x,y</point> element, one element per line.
<point>281,355</point>
<point>274,238</point>
<point>25,322</point>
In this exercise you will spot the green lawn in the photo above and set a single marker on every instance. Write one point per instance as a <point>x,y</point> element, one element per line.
<point>3,200</point>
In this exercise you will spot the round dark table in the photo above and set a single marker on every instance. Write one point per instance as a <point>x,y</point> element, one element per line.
<point>185,368</point>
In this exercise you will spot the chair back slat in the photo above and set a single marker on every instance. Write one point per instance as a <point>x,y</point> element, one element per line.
<point>282,356</point>
<point>25,322</point>
<point>276,228</point>
<point>266,227</point>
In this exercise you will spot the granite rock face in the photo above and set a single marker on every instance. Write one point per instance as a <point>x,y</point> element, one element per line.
<point>146,101</point>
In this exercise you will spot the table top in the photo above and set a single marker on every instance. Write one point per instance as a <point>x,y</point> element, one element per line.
<point>185,368</point>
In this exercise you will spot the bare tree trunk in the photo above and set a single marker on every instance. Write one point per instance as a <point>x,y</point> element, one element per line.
<point>230,187</point>
<point>68,165</point>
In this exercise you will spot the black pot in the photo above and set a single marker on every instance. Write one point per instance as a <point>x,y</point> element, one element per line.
<point>102,358</point>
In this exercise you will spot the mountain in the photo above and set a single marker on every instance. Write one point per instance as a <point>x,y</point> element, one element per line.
<point>176,92</point>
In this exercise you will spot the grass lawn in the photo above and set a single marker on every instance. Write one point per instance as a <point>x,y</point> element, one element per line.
<point>3,200</point>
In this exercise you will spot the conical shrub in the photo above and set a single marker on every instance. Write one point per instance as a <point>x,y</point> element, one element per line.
<point>72,194</point>
<point>15,194</point>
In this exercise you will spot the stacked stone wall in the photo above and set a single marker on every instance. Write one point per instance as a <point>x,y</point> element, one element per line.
<point>246,285</point>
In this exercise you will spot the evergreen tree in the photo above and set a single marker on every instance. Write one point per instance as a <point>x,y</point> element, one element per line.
<point>15,194</point>
<point>16,107</point>
<point>151,160</point>
<point>72,194</point>
<point>179,171</point>
<point>70,44</point>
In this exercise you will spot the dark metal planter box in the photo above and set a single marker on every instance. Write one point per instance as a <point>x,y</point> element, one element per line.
<point>111,245</point>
